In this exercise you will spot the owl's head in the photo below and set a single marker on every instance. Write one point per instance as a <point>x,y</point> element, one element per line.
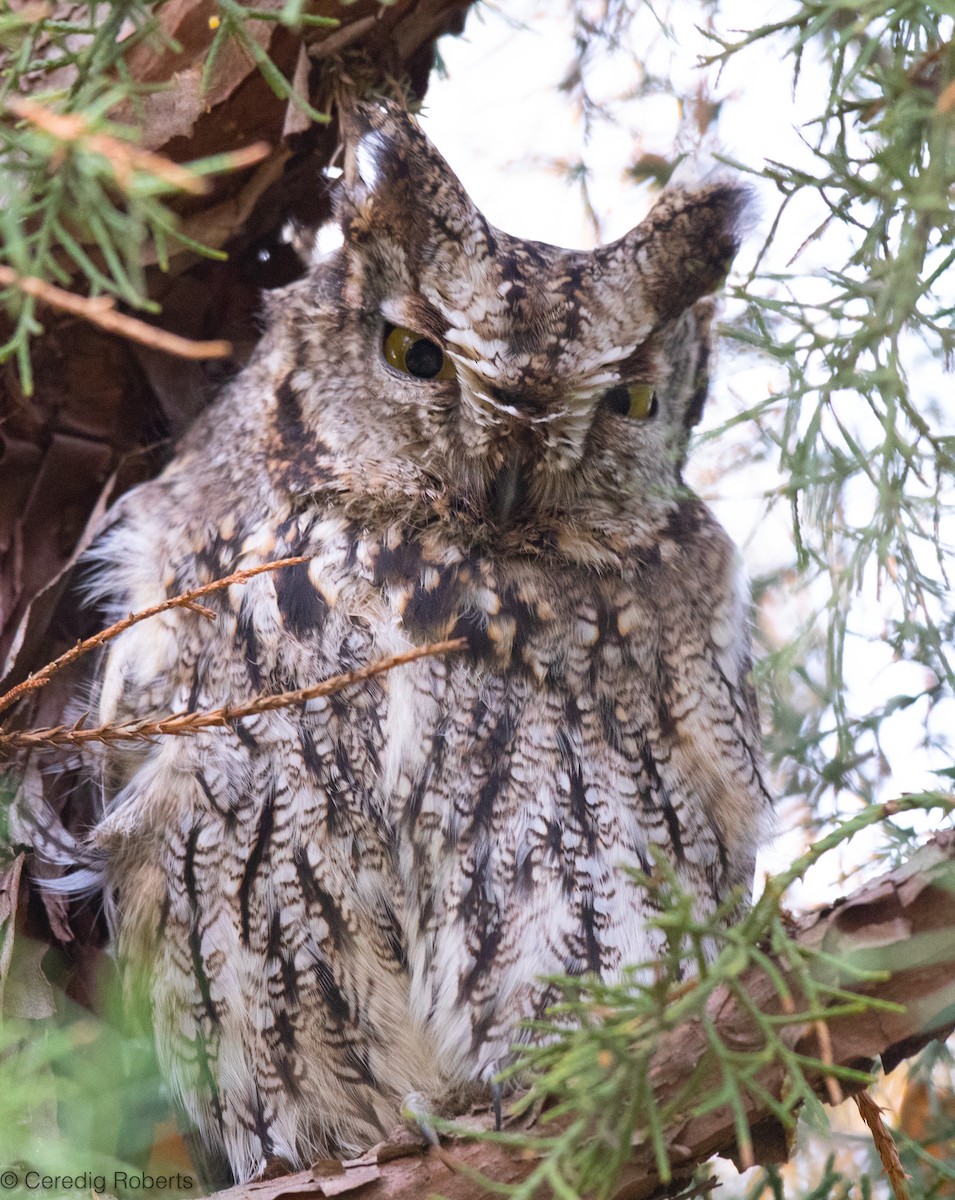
<point>505,384</point>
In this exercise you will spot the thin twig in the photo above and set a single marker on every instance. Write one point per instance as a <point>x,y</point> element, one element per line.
<point>101,311</point>
<point>185,723</point>
<point>185,600</point>
<point>833,1090</point>
<point>870,1112</point>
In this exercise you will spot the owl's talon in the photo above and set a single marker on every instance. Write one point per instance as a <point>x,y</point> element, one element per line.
<point>496,1105</point>
<point>415,1111</point>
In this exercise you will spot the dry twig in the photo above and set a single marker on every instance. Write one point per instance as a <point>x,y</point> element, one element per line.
<point>871,1113</point>
<point>184,600</point>
<point>101,311</point>
<point>833,1090</point>
<point>183,724</point>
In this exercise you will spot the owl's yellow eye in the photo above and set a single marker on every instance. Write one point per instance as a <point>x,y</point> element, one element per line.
<point>414,354</point>
<point>636,400</point>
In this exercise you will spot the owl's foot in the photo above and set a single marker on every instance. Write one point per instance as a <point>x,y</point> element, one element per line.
<point>416,1112</point>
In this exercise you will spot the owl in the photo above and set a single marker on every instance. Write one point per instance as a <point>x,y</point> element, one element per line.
<point>335,906</point>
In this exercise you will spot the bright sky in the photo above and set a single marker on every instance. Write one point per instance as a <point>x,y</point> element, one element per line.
<point>504,126</point>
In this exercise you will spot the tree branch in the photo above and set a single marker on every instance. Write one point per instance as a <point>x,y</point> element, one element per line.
<point>101,311</point>
<point>901,925</point>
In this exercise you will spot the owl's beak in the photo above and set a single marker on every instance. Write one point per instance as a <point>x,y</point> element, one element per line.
<point>508,491</point>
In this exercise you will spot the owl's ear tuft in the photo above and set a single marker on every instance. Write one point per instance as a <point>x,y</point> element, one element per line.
<point>682,250</point>
<point>384,150</point>
<point>394,182</point>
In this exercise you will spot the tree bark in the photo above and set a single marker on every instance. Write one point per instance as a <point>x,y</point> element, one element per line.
<point>902,924</point>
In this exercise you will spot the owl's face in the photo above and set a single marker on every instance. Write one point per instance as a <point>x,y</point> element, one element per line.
<point>511,385</point>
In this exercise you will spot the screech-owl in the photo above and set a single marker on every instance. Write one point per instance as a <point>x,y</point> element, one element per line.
<point>341,903</point>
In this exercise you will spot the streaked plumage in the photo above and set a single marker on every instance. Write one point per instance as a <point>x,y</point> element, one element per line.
<point>333,907</point>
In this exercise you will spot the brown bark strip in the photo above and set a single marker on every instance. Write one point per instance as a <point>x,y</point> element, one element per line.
<point>902,923</point>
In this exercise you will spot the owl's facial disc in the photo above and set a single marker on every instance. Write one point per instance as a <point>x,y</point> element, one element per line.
<point>522,384</point>
<point>526,456</point>
<point>508,429</point>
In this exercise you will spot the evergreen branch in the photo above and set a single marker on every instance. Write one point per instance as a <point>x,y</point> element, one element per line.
<point>868,469</point>
<point>232,22</point>
<point>124,157</point>
<point>78,191</point>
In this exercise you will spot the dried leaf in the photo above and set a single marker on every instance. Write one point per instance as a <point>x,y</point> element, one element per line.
<point>9,899</point>
<point>296,119</point>
<point>174,112</point>
<point>26,990</point>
